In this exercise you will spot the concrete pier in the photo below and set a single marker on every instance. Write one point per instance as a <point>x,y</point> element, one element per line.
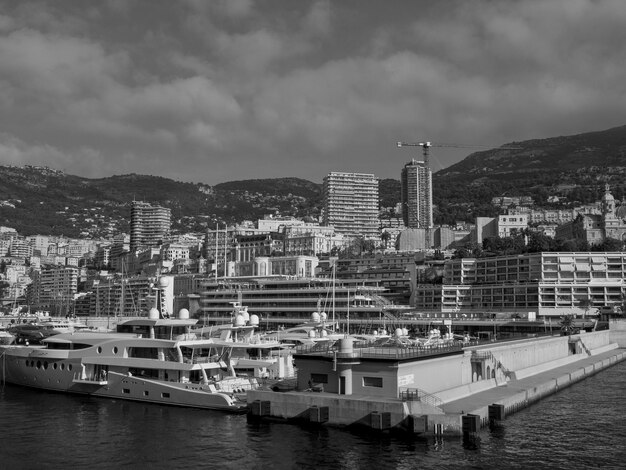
<point>462,409</point>
<point>518,394</point>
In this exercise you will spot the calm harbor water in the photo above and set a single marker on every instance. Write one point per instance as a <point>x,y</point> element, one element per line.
<point>583,426</point>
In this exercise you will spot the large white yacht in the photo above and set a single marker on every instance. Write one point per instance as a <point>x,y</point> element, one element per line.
<point>153,359</point>
<point>251,353</point>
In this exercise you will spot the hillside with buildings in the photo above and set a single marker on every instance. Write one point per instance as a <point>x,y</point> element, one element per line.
<point>41,200</point>
<point>555,173</point>
<point>71,244</point>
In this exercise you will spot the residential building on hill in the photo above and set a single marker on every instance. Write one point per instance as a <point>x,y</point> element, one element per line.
<point>149,225</point>
<point>596,228</point>
<point>53,289</point>
<point>416,195</point>
<point>351,204</point>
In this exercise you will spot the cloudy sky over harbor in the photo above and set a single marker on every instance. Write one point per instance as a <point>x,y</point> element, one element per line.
<point>222,90</point>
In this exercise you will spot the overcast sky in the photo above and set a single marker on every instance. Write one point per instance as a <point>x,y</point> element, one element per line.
<point>222,90</point>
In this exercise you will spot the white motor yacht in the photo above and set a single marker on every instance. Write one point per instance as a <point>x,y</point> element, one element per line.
<point>153,359</point>
<point>318,331</point>
<point>251,354</point>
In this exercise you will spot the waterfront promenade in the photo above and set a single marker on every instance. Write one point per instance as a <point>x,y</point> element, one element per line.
<point>517,394</point>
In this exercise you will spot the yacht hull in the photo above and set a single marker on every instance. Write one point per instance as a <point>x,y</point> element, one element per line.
<point>44,369</point>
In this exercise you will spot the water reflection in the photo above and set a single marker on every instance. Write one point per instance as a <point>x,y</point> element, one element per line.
<point>581,424</point>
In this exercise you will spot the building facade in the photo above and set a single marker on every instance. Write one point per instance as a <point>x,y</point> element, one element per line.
<point>416,195</point>
<point>53,289</point>
<point>149,225</point>
<point>351,204</point>
<point>596,228</point>
<point>550,284</point>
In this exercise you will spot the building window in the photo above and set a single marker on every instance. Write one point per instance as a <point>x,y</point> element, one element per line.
<point>319,378</point>
<point>373,382</point>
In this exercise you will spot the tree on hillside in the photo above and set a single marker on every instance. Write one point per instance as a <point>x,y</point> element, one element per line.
<point>609,244</point>
<point>538,242</point>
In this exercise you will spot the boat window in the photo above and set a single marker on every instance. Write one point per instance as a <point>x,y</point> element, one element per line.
<point>142,330</point>
<point>145,353</point>
<point>195,376</point>
<point>171,354</point>
<point>143,372</point>
<point>45,364</point>
<point>253,353</point>
<point>165,395</point>
<point>99,349</point>
<point>169,332</point>
<point>38,364</point>
<point>69,367</point>
<point>115,350</point>
<point>188,353</point>
<point>68,346</point>
<point>62,366</point>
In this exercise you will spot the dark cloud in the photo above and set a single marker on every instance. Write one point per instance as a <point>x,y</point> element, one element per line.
<point>215,91</point>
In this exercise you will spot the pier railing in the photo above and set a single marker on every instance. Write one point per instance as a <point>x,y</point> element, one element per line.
<point>365,350</point>
<point>416,394</point>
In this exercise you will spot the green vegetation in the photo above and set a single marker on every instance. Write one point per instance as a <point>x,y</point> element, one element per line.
<point>574,169</point>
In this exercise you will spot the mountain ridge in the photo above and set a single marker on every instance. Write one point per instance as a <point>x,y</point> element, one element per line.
<point>42,200</point>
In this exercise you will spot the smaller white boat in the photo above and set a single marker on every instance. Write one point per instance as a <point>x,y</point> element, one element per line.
<point>151,359</point>
<point>315,332</point>
<point>251,354</point>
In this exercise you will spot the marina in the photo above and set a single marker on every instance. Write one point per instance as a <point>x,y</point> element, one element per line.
<point>449,391</point>
<point>551,433</point>
<point>154,359</point>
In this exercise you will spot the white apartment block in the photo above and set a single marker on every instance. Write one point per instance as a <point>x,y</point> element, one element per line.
<point>509,225</point>
<point>549,284</point>
<point>173,251</point>
<point>312,244</point>
<point>416,195</point>
<point>351,204</point>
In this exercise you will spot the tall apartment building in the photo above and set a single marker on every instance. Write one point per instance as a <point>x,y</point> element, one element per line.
<point>351,204</point>
<point>53,289</point>
<point>148,224</point>
<point>416,195</point>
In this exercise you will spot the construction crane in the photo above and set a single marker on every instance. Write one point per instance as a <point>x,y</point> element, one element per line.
<point>427,145</point>
<point>414,213</point>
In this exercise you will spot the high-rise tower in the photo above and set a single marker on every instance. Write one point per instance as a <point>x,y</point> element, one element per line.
<point>351,204</point>
<point>148,224</point>
<point>416,195</point>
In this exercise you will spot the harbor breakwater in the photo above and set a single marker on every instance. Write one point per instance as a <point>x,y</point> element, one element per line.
<point>497,380</point>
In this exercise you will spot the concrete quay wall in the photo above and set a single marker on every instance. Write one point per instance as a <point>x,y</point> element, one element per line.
<point>520,394</point>
<point>617,332</point>
<point>337,410</point>
<point>524,354</point>
<point>450,418</point>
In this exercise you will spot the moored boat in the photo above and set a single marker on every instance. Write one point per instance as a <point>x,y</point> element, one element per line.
<point>251,354</point>
<point>153,359</point>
